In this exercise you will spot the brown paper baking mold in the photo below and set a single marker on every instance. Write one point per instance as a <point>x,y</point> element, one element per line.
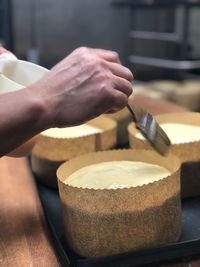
<point>188,95</point>
<point>188,153</point>
<point>147,90</point>
<point>122,118</point>
<point>166,87</point>
<point>106,222</point>
<point>49,152</point>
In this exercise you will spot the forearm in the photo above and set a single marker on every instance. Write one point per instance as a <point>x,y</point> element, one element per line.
<point>22,117</point>
<point>82,86</point>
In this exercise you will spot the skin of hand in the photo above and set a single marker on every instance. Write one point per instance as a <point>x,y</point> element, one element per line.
<point>26,147</point>
<point>82,86</point>
<point>3,50</point>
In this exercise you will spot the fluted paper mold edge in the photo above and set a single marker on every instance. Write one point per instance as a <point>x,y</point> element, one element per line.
<point>106,221</point>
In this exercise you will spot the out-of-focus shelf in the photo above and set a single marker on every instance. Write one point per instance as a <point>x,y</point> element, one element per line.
<point>153,3</point>
<point>158,36</point>
<point>177,39</point>
<point>165,63</point>
<point>6,24</point>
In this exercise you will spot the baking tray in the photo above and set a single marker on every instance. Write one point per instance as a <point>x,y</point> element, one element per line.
<point>187,248</point>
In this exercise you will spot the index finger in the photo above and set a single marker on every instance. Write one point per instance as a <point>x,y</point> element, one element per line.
<point>120,71</point>
<point>107,55</point>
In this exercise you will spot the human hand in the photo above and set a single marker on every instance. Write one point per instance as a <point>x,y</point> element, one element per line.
<point>6,52</point>
<point>3,50</point>
<point>26,147</point>
<point>82,86</point>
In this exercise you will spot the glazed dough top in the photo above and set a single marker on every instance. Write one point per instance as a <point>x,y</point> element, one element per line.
<point>72,132</point>
<point>116,174</point>
<point>179,133</point>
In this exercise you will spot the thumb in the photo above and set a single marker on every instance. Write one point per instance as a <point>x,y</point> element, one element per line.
<point>3,50</point>
<point>7,53</point>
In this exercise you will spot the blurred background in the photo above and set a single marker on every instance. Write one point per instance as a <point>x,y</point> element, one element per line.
<point>56,28</point>
<point>157,39</point>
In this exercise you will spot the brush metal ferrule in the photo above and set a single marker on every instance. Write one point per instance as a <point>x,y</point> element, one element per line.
<point>148,125</point>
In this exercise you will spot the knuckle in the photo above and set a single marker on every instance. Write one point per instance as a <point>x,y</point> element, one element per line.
<point>102,63</point>
<point>105,76</point>
<point>104,88</point>
<point>129,75</point>
<point>115,99</point>
<point>115,55</point>
<point>102,72</point>
<point>82,50</point>
<point>124,86</point>
<point>107,92</point>
<point>129,88</point>
<point>121,101</point>
<point>91,62</point>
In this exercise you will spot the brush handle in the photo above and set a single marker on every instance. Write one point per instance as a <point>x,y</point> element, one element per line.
<point>135,111</point>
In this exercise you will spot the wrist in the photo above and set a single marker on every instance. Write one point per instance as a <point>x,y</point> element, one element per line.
<point>38,108</point>
<point>22,117</point>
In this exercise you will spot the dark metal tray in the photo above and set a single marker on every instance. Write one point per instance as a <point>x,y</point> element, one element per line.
<point>187,248</point>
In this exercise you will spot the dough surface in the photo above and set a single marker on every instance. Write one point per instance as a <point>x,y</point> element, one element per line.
<point>116,174</point>
<point>179,133</point>
<point>72,132</point>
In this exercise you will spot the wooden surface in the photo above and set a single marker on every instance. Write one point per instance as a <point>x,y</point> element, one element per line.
<point>24,239</point>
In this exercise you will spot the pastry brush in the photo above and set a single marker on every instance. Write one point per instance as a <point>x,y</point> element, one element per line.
<point>149,128</point>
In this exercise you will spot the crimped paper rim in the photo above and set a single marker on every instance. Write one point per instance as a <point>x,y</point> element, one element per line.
<point>111,125</point>
<point>168,118</point>
<point>65,165</point>
<point>62,149</point>
<point>94,217</point>
<point>186,151</point>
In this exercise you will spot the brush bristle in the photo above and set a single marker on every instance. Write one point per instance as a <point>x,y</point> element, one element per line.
<point>161,142</point>
<point>150,129</point>
<point>155,135</point>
